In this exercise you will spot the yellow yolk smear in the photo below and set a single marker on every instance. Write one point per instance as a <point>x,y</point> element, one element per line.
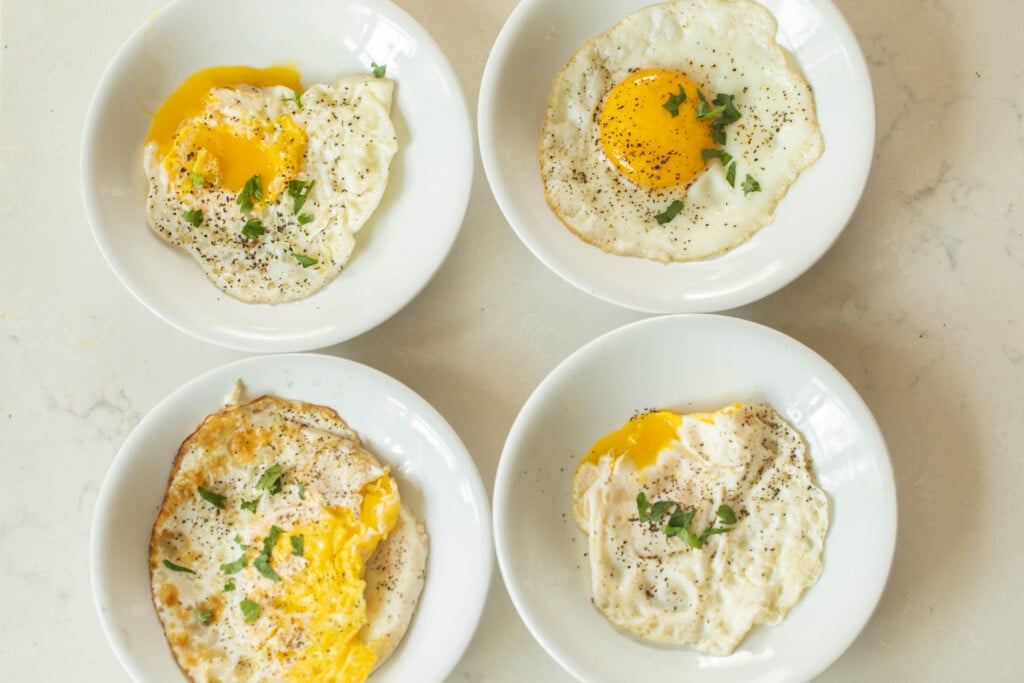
<point>327,597</point>
<point>226,153</point>
<point>642,138</point>
<point>640,439</point>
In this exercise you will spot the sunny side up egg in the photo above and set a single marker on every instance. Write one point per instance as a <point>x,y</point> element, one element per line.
<point>265,183</point>
<point>282,551</point>
<point>700,526</point>
<point>674,135</point>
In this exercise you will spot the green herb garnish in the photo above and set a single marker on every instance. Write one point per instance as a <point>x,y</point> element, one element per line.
<point>725,513</point>
<point>378,69</point>
<point>236,566</point>
<point>262,561</point>
<point>294,98</point>
<point>750,185</point>
<point>253,189</point>
<point>679,520</point>
<point>305,218</point>
<point>720,154</point>
<point>302,492</point>
<point>203,615</point>
<point>297,544</point>
<point>253,228</point>
<point>195,217</point>
<point>304,261</point>
<point>671,212</point>
<point>250,610</point>
<point>250,505</point>
<point>177,567</point>
<point>270,480</point>
<point>299,190</point>
<point>238,540</point>
<point>214,499</point>
<point>673,102</point>
<point>704,111</point>
<point>730,174</point>
<point>197,179</point>
<point>229,586</point>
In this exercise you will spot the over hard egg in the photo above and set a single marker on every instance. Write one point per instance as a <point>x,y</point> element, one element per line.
<point>264,183</point>
<point>674,135</point>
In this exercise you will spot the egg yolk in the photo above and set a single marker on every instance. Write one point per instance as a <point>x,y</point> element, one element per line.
<point>641,136</point>
<point>328,595</point>
<point>227,152</point>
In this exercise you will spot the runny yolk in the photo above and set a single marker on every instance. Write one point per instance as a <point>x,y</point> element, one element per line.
<point>227,152</point>
<point>642,138</point>
<point>641,439</point>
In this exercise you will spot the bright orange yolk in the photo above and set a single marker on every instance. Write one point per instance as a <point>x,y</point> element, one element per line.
<point>641,439</point>
<point>225,152</point>
<point>642,138</point>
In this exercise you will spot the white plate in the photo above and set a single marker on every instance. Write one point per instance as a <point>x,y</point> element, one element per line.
<point>688,363</point>
<point>538,39</point>
<point>397,251</point>
<point>436,476</point>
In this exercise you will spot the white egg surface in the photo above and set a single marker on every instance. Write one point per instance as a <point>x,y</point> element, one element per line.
<point>267,186</point>
<point>674,135</point>
<point>743,471</point>
<point>281,551</point>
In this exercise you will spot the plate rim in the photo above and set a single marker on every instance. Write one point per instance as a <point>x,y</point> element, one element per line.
<point>103,509</point>
<point>251,341</point>
<point>502,507</point>
<point>605,289</point>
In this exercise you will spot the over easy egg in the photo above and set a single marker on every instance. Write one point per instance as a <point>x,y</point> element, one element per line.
<point>266,184</point>
<point>674,135</point>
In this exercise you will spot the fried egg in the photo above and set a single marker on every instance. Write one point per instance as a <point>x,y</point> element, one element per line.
<point>264,183</point>
<point>770,537</point>
<point>282,551</point>
<point>674,135</point>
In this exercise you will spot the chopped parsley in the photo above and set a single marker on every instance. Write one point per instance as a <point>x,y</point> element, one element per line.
<point>305,218</point>
<point>679,520</point>
<point>378,69</point>
<point>302,492</point>
<point>299,191</point>
<point>296,98</point>
<point>250,610</point>
<point>719,154</point>
<point>203,615</point>
<point>195,217</point>
<point>236,566</point>
<point>197,179</point>
<point>229,586</point>
<point>253,189</point>
<point>730,174</point>
<point>723,113</point>
<point>750,185</point>
<point>672,104</point>
<point>297,544</point>
<point>238,540</point>
<point>304,261</point>
<point>214,499</point>
<point>704,111</point>
<point>262,561</point>
<point>253,228</point>
<point>250,505</point>
<point>270,480</point>
<point>671,212</point>
<point>177,567</point>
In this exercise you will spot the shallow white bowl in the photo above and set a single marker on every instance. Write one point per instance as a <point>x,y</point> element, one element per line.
<point>397,251</point>
<point>537,41</point>
<point>436,476</point>
<point>690,363</point>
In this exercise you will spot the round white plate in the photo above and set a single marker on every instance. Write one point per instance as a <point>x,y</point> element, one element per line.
<point>690,363</point>
<point>539,38</point>
<point>436,477</point>
<point>397,251</point>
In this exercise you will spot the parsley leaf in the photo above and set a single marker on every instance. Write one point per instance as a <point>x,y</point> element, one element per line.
<point>304,261</point>
<point>725,513</point>
<point>238,540</point>
<point>250,610</point>
<point>214,499</point>
<point>197,179</point>
<point>750,185</point>
<point>271,539</point>
<point>302,492</point>
<point>305,218</point>
<point>253,189</point>
<point>262,561</point>
<point>195,217</point>
<point>712,530</point>
<point>672,104</point>
<point>298,543</point>
<point>720,154</point>
<point>229,586</point>
<point>729,114</point>
<point>679,520</point>
<point>253,228</point>
<point>705,112</point>
<point>671,212</point>
<point>250,505</point>
<point>236,566</point>
<point>296,97</point>
<point>378,69</point>
<point>203,615</point>
<point>177,567</point>
<point>730,174</point>
<point>271,479</point>
<point>299,191</point>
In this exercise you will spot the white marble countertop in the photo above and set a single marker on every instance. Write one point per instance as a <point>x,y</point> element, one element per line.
<point>919,304</point>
